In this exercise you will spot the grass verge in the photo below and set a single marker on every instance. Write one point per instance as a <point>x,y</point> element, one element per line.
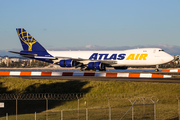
<point>98,96</point>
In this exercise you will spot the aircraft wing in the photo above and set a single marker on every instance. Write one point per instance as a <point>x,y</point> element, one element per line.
<point>81,60</point>
<point>56,59</point>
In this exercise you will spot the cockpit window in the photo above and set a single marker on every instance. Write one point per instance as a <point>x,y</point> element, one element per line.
<point>161,50</point>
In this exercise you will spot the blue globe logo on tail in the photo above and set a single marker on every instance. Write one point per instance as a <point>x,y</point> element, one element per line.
<point>26,38</point>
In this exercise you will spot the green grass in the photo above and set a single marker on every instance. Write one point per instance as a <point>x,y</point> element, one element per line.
<point>96,94</point>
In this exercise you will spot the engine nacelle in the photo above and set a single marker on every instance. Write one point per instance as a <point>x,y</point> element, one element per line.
<point>121,68</point>
<point>95,66</point>
<point>67,63</point>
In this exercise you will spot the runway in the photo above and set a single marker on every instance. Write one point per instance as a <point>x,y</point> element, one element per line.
<point>96,76</point>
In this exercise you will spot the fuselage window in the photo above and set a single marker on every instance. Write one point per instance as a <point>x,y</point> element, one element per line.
<point>161,50</point>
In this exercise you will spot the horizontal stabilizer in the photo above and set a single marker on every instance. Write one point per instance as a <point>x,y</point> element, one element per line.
<point>33,55</point>
<point>23,54</point>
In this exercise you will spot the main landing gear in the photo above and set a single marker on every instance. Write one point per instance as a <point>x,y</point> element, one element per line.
<point>103,68</point>
<point>157,68</point>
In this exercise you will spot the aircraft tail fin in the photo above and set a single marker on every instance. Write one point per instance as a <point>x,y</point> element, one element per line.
<point>28,42</point>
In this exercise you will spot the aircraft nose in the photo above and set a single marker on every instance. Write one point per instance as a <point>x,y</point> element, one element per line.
<point>169,58</point>
<point>166,58</point>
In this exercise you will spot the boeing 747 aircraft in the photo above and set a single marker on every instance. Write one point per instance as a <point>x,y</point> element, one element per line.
<point>91,60</point>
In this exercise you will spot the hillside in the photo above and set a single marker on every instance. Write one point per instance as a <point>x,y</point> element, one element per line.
<point>97,94</point>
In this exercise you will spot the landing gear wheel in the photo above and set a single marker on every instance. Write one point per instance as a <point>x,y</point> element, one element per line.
<point>103,68</point>
<point>81,69</point>
<point>157,70</point>
<point>87,69</point>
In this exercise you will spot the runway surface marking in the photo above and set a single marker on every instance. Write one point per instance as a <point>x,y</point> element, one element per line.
<point>95,74</point>
<point>172,70</point>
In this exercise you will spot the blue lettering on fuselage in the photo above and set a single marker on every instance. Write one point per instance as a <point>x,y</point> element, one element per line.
<point>96,56</point>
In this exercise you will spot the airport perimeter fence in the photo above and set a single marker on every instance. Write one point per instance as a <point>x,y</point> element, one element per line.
<point>87,107</point>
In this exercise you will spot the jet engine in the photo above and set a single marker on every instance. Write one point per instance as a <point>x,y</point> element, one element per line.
<point>96,66</point>
<point>67,63</point>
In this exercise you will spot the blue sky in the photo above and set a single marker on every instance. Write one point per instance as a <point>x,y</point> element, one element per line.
<point>94,24</point>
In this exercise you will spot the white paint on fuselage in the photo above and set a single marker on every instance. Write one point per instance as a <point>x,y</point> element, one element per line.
<point>155,56</point>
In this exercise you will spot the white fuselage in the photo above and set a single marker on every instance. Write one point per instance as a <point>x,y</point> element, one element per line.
<point>132,57</point>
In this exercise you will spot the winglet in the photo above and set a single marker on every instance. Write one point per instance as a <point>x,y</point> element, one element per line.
<point>28,42</point>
